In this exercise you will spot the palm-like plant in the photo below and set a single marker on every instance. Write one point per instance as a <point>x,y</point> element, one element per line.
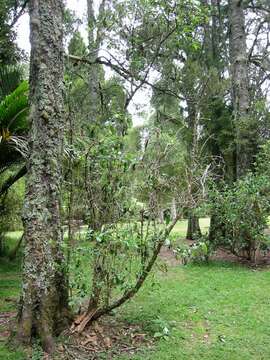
<point>10,78</point>
<point>13,128</point>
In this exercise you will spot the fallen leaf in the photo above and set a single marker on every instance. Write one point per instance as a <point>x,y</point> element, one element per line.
<point>90,339</point>
<point>107,342</point>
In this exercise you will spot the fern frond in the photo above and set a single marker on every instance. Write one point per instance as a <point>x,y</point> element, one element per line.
<point>13,110</point>
<point>10,78</point>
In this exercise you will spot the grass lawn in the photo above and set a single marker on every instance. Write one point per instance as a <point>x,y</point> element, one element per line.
<point>9,291</point>
<point>181,227</point>
<point>216,311</point>
<point>219,311</point>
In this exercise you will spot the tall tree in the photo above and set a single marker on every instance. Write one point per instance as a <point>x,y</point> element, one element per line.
<point>94,72</point>
<point>240,84</point>
<point>93,79</point>
<point>43,305</point>
<point>10,12</point>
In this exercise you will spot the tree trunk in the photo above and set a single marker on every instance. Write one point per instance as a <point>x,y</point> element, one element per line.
<point>44,300</point>
<point>214,48</point>
<point>240,93</point>
<point>173,209</point>
<point>94,70</point>
<point>161,216</point>
<point>193,229</point>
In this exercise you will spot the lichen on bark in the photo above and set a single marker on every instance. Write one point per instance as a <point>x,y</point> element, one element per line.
<point>44,298</point>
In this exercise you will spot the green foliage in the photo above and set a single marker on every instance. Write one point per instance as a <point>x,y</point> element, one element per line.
<point>153,40</point>
<point>263,160</point>
<point>240,213</point>
<point>13,110</point>
<point>161,328</point>
<point>13,127</point>
<point>10,214</point>
<point>79,281</point>
<point>13,149</point>
<point>113,106</point>
<point>121,252</point>
<point>10,78</point>
<point>159,176</point>
<point>10,283</point>
<point>71,22</point>
<point>206,324</point>
<point>76,45</point>
<point>8,353</point>
<point>37,351</point>
<point>9,51</point>
<point>219,130</point>
<point>198,252</point>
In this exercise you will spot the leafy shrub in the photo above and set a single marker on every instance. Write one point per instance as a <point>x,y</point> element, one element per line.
<point>239,216</point>
<point>121,253</point>
<point>196,253</point>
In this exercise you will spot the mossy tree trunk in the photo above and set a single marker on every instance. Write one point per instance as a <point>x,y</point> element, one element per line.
<point>44,299</point>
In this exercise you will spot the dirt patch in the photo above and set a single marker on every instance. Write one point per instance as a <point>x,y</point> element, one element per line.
<point>263,260</point>
<point>104,339</point>
<point>167,255</point>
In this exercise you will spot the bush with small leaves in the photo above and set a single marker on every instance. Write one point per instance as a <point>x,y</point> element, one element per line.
<point>240,213</point>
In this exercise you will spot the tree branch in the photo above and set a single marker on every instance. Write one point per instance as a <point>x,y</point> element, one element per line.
<point>12,179</point>
<point>133,291</point>
<point>20,13</point>
<point>124,73</point>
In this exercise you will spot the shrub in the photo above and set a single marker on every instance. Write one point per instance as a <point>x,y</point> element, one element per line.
<point>198,252</point>
<point>239,216</point>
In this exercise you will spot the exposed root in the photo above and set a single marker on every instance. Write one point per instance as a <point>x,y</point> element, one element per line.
<point>82,321</point>
<point>108,338</point>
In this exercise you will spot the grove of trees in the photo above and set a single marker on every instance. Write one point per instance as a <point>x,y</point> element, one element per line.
<point>71,156</point>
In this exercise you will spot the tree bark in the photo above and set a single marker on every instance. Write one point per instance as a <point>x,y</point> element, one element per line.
<point>240,83</point>
<point>44,300</point>
<point>173,209</point>
<point>161,216</point>
<point>94,70</point>
<point>193,229</point>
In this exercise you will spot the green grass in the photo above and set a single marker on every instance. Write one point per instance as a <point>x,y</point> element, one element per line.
<point>9,284</point>
<point>217,311</point>
<point>220,311</point>
<point>9,292</point>
<point>11,239</point>
<point>181,227</point>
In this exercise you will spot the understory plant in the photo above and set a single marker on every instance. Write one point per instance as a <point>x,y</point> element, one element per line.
<point>124,235</point>
<point>240,214</point>
<point>198,252</point>
<point>121,262</point>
